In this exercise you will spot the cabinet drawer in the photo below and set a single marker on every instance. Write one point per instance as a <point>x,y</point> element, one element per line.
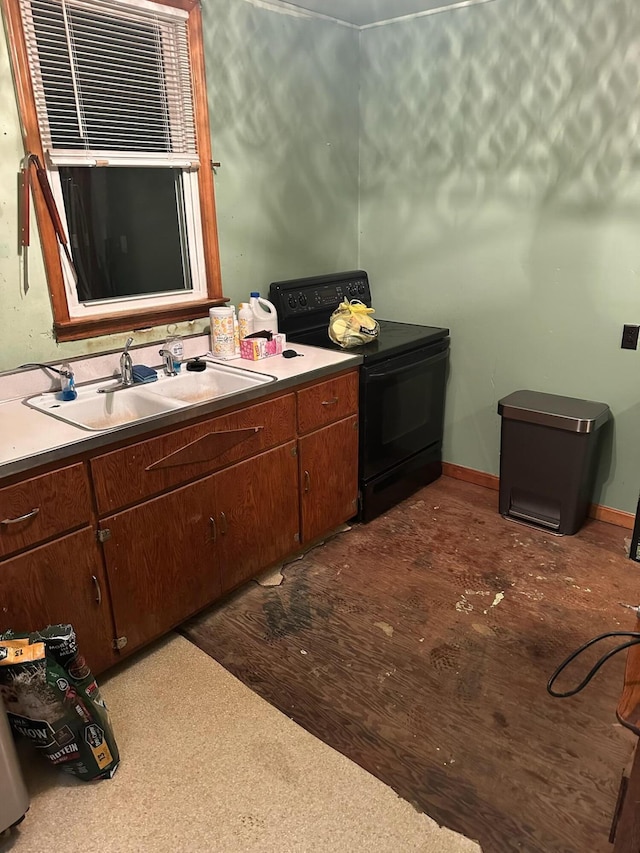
<point>43,507</point>
<point>327,402</point>
<point>150,467</point>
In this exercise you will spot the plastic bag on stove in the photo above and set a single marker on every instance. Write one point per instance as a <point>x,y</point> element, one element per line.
<point>351,324</point>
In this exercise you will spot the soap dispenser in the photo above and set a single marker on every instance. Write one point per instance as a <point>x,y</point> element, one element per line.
<point>68,383</point>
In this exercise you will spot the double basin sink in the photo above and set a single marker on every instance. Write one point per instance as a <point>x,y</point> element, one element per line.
<point>106,405</point>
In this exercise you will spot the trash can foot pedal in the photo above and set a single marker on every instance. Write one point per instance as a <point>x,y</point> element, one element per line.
<point>533,525</point>
<point>542,520</point>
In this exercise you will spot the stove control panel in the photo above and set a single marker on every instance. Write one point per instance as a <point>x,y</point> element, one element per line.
<point>297,301</point>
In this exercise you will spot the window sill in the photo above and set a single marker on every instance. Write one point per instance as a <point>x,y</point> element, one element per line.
<point>91,327</point>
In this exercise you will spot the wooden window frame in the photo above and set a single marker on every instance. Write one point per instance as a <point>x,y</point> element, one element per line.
<point>69,328</point>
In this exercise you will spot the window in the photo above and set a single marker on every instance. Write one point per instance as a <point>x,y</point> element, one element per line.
<point>113,101</point>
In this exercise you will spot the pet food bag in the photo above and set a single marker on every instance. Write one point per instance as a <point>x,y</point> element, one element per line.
<point>52,699</point>
<point>351,324</point>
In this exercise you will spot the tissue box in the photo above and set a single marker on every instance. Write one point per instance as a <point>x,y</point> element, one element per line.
<point>255,348</point>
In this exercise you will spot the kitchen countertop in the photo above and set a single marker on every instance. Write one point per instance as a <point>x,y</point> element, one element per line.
<point>29,439</point>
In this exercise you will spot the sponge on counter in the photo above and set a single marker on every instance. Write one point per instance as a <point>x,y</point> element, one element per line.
<point>142,373</point>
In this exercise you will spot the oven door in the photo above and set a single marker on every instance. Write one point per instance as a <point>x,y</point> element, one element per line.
<point>401,407</point>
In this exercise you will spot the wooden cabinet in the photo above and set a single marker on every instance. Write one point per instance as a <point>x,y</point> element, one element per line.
<point>150,467</point>
<point>61,581</point>
<point>181,518</point>
<point>625,826</point>
<point>257,506</point>
<point>329,477</point>
<point>171,556</point>
<point>161,561</point>
<point>58,583</point>
<point>328,451</point>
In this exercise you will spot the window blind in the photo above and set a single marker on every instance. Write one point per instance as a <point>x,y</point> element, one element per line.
<point>111,80</point>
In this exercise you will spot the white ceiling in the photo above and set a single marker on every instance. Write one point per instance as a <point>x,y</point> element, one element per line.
<point>363,12</point>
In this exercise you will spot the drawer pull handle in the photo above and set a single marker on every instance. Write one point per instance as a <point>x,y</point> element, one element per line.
<point>330,402</point>
<point>223,523</point>
<point>24,517</point>
<point>307,482</point>
<point>212,521</point>
<point>96,583</point>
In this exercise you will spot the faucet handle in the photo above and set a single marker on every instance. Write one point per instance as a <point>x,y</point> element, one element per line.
<point>128,344</point>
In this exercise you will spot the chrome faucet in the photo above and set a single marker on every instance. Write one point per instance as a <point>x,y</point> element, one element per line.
<point>126,365</point>
<point>167,360</point>
<point>126,371</point>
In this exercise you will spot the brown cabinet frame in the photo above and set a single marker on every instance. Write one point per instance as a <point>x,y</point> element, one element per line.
<point>230,504</point>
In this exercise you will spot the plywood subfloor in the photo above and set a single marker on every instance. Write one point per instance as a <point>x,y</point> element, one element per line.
<point>420,645</point>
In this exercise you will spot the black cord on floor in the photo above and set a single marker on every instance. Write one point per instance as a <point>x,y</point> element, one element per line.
<point>635,635</point>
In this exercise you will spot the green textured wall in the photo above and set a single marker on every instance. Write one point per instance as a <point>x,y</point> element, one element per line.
<point>283,101</point>
<point>500,196</point>
<point>283,96</point>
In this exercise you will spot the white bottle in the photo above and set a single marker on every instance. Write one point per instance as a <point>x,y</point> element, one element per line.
<point>265,316</point>
<point>245,320</point>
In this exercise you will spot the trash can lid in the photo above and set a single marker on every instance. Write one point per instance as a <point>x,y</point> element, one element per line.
<point>550,410</point>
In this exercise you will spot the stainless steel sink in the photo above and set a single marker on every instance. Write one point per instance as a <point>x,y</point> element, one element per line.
<point>218,380</point>
<point>97,408</point>
<point>94,411</point>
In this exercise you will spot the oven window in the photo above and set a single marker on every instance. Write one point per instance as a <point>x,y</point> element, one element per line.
<point>403,408</point>
<point>406,408</point>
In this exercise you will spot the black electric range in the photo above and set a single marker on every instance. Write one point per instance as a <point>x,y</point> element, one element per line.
<point>402,386</point>
<point>394,339</point>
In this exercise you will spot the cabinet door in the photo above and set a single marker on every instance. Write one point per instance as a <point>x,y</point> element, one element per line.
<point>328,477</point>
<point>257,504</point>
<point>161,561</point>
<point>60,583</point>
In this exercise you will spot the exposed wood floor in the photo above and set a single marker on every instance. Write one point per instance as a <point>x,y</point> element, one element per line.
<point>420,645</point>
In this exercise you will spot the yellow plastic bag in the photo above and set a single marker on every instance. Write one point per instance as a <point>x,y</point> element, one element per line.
<point>351,324</point>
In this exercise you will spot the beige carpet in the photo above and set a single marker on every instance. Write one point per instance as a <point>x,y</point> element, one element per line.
<point>209,766</point>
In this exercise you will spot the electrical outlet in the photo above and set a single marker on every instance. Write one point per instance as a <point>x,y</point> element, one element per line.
<point>630,336</point>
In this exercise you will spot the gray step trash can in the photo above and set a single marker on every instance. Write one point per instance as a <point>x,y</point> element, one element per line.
<point>548,458</point>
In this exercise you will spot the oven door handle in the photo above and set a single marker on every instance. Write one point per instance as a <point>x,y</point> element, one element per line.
<point>387,374</point>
